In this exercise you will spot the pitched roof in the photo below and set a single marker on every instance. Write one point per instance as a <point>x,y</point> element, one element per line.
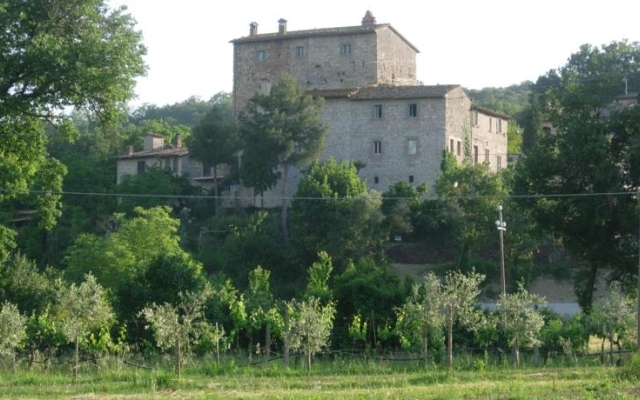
<point>164,152</point>
<point>402,92</point>
<point>309,33</point>
<point>490,112</point>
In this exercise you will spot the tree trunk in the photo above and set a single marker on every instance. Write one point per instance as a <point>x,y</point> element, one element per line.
<point>76,360</point>
<point>516,352</point>
<point>450,339</point>
<point>285,201</point>
<point>285,349</point>
<point>585,298</point>
<point>267,342</point>
<point>178,357</point>
<point>309,359</point>
<point>425,347</point>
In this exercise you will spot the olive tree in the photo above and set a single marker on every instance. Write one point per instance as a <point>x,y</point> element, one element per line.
<point>81,309</point>
<point>177,326</point>
<point>309,326</point>
<point>520,319</point>
<point>12,331</point>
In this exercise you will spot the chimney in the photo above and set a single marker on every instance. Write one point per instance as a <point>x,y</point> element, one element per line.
<point>253,29</point>
<point>369,21</point>
<point>130,150</point>
<point>282,26</point>
<point>178,141</point>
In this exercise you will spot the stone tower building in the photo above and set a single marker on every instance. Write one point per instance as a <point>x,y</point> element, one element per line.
<point>375,110</point>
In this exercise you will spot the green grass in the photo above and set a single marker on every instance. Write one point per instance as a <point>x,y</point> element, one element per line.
<point>327,380</point>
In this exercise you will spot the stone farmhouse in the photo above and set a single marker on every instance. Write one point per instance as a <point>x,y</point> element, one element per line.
<point>376,111</point>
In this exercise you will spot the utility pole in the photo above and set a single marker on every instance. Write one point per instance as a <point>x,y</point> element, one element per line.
<point>502,226</point>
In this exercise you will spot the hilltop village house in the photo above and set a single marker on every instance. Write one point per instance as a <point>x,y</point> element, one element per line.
<point>375,110</point>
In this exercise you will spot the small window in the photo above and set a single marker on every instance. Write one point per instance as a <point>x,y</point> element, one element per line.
<point>412,146</point>
<point>498,125</point>
<point>474,118</point>
<point>451,147</point>
<point>413,110</point>
<point>376,179</point>
<point>377,147</point>
<point>410,178</point>
<point>490,124</point>
<point>142,166</point>
<point>377,111</point>
<point>261,55</point>
<point>499,162</point>
<point>206,170</point>
<point>486,155</point>
<point>475,154</point>
<point>459,148</point>
<point>299,51</point>
<point>345,49</point>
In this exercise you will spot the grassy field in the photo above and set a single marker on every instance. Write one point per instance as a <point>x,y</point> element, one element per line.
<point>327,380</point>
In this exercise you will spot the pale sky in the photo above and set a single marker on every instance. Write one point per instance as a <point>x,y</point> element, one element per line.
<point>473,43</point>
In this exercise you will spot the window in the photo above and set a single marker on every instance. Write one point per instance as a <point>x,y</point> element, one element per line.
<point>376,179</point>
<point>261,55</point>
<point>345,49</point>
<point>498,125</point>
<point>486,155</point>
<point>299,51</point>
<point>377,147</point>
<point>474,118</point>
<point>377,111</point>
<point>451,149</point>
<point>412,146</point>
<point>142,165</point>
<point>459,148</point>
<point>206,170</point>
<point>499,162</point>
<point>413,110</point>
<point>490,124</point>
<point>475,154</point>
<point>410,178</point>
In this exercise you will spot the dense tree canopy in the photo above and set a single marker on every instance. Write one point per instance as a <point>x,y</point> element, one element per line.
<point>56,55</point>
<point>587,172</point>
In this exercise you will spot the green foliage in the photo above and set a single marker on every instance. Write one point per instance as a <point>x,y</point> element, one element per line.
<point>22,284</point>
<point>281,129</point>
<point>40,77</point>
<point>155,188</point>
<point>519,318</point>
<point>400,205</point>
<point>120,256</point>
<point>178,326</point>
<point>370,290</point>
<point>12,330</point>
<point>318,276</point>
<point>334,212</point>
<point>44,337</point>
<point>595,151</point>
<point>188,112</point>
<point>309,327</point>
<point>615,317</point>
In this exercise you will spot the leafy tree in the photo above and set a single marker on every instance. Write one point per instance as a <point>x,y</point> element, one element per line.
<point>318,276</point>
<point>178,326</point>
<point>44,338</point>
<point>459,299</point>
<point>12,331</point>
<point>421,314</point>
<point>368,289</point>
<point>285,129</point>
<point>81,309</point>
<point>309,326</point>
<point>22,284</point>
<point>215,140</point>
<point>262,313</point>
<point>334,212</point>
<point>155,188</point>
<point>400,204</point>
<point>121,255</point>
<point>585,175</point>
<point>188,112</point>
<point>471,194</point>
<point>615,317</point>
<point>519,317</point>
<point>40,77</point>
